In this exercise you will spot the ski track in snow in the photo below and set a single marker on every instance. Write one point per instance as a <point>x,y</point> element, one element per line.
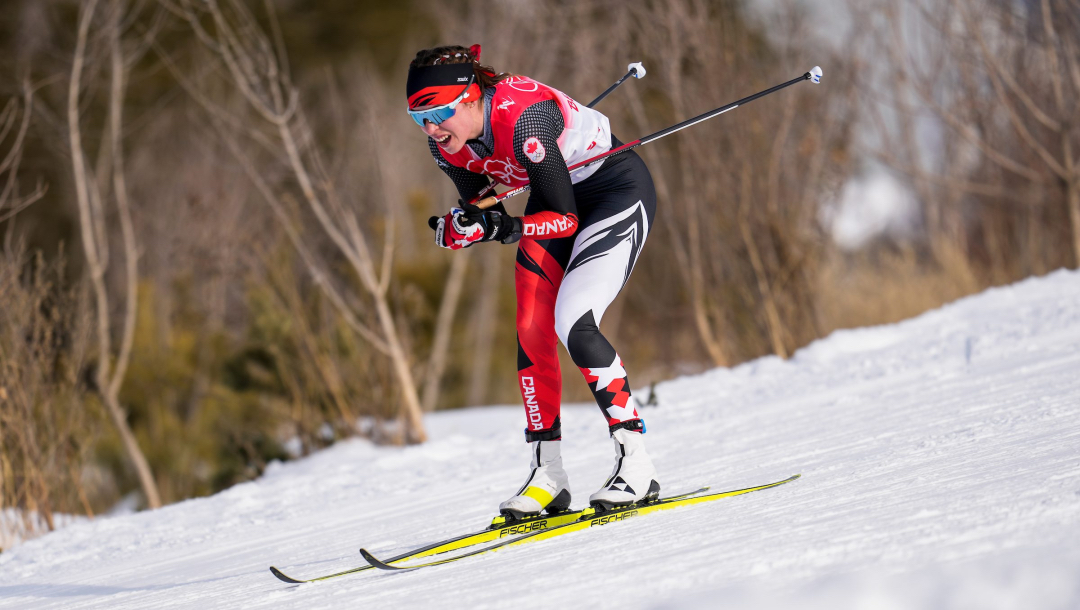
<point>940,461</point>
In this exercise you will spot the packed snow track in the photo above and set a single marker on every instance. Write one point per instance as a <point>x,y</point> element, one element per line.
<point>940,462</point>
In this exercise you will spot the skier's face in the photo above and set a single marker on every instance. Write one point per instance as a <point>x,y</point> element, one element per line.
<point>466,124</point>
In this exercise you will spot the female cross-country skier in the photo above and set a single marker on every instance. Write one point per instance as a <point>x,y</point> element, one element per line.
<point>578,240</point>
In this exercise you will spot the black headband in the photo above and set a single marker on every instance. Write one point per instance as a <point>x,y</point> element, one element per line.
<point>436,78</point>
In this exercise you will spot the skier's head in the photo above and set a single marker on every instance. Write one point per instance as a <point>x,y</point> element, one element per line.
<point>445,94</point>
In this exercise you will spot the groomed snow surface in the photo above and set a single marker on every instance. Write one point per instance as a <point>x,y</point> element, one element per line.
<point>940,461</point>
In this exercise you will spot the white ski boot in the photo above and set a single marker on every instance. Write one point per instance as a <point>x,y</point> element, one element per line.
<point>547,488</point>
<point>634,479</point>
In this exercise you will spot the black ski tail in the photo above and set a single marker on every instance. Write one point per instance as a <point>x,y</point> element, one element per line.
<point>378,563</point>
<point>282,577</point>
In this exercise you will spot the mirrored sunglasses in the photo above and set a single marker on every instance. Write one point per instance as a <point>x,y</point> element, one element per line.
<point>440,113</point>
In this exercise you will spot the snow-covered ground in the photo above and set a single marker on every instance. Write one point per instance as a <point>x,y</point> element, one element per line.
<point>18,526</point>
<point>940,461</point>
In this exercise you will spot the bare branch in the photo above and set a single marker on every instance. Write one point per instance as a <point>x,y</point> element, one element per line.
<point>964,129</point>
<point>772,313</point>
<point>11,162</point>
<point>1074,63</point>
<point>1006,77</point>
<point>187,13</point>
<point>350,250</point>
<point>89,238</point>
<point>225,117</point>
<point>1022,129</point>
<point>279,41</point>
<point>776,156</point>
<point>127,230</point>
<point>969,134</point>
<point>97,216</point>
<point>389,231</point>
<point>18,205</point>
<point>1055,62</point>
<point>967,186</point>
<point>9,197</point>
<point>8,118</point>
<point>239,66</point>
<point>148,37</point>
<point>318,275</point>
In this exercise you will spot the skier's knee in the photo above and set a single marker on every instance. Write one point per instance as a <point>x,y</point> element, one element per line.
<point>564,323</point>
<point>586,345</point>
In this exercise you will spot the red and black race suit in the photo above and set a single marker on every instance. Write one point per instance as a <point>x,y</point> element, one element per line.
<point>584,233</point>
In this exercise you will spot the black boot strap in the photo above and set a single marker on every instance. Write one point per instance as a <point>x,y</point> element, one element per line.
<point>553,433</point>
<point>634,425</point>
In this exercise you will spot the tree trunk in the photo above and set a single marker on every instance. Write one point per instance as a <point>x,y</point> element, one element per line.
<point>444,327</point>
<point>135,454</point>
<point>772,312</point>
<point>486,312</point>
<point>91,211</point>
<point>410,407</point>
<point>1074,215</point>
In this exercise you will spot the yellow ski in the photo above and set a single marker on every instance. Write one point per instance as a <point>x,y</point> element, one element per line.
<point>587,518</point>
<point>499,529</point>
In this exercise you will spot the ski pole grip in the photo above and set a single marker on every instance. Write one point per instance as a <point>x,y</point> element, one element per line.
<point>486,203</point>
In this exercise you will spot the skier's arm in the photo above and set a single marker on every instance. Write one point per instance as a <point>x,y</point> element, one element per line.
<point>536,147</point>
<point>456,231</point>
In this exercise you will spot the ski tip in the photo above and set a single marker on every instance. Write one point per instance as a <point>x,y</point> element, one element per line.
<point>815,74</point>
<point>282,577</point>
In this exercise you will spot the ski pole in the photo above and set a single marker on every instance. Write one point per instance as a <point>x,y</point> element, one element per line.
<point>814,76</point>
<point>636,70</point>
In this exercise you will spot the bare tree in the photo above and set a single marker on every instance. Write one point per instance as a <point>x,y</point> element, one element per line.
<point>668,27</point>
<point>444,326</point>
<point>483,329</point>
<point>1001,80</point>
<point>741,193</point>
<point>255,64</point>
<point>92,200</point>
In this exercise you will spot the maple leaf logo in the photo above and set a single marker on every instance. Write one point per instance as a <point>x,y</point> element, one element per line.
<point>534,150</point>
